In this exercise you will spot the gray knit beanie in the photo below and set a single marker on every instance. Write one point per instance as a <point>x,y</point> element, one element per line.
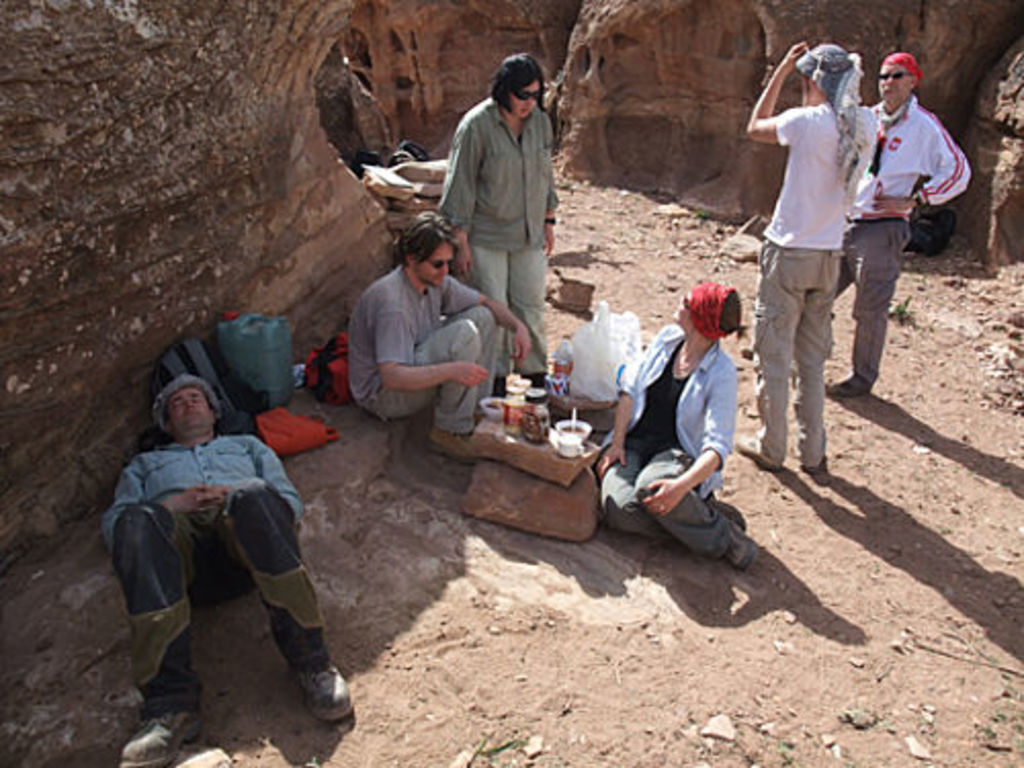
<point>180,382</point>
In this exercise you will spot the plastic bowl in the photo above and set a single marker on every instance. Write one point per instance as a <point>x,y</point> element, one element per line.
<point>583,428</point>
<point>490,407</point>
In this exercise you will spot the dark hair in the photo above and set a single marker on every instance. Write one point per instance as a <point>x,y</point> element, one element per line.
<point>516,71</point>
<point>420,239</point>
<point>732,312</point>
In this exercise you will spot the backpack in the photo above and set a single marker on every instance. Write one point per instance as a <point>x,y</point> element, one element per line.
<point>930,232</point>
<point>238,401</point>
<point>327,371</point>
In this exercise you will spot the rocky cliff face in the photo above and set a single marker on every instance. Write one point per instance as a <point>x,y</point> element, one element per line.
<point>161,163</point>
<point>994,206</point>
<point>157,166</point>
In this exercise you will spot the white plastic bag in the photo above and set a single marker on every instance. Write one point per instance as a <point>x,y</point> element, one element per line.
<point>599,349</point>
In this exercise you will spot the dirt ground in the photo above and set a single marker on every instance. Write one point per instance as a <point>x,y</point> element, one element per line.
<point>880,626</point>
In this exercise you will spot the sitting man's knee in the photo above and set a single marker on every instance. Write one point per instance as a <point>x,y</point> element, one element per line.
<point>255,503</point>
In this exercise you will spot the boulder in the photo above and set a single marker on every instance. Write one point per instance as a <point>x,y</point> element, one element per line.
<point>163,165</point>
<point>994,203</point>
<point>502,494</point>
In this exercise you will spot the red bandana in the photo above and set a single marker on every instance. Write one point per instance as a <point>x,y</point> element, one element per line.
<point>904,60</point>
<point>706,302</point>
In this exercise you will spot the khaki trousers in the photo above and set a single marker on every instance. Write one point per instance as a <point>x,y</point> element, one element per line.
<point>468,337</point>
<point>793,325</point>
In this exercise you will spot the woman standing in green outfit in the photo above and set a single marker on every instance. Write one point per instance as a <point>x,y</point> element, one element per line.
<point>499,194</point>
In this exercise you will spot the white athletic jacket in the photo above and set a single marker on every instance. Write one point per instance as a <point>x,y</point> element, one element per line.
<point>918,145</point>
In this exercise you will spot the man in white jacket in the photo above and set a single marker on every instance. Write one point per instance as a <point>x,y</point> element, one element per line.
<point>915,162</point>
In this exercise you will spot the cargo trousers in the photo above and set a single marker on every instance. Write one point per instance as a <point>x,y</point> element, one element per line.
<point>872,254</point>
<point>695,522</point>
<point>793,329</point>
<point>166,560</point>
<point>468,336</point>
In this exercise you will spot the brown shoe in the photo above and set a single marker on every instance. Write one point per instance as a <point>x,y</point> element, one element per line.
<point>751,448</point>
<point>851,387</point>
<point>158,740</point>
<point>453,445</point>
<point>819,474</point>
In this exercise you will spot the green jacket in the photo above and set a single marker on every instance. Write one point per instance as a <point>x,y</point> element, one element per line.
<point>497,188</point>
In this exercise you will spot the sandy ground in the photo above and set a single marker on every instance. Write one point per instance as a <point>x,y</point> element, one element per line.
<point>883,618</point>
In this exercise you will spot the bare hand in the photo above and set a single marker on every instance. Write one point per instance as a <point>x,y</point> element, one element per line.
<point>198,498</point>
<point>615,453</point>
<point>467,374</point>
<point>462,262</point>
<point>549,239</point>
<point>788,63</point>
<point>521,343</point>
<point>667,494</point>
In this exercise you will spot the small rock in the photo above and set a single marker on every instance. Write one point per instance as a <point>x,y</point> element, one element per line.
<point>463,759</point>
<point>859,718</point>
<point>210,758</point>
<point>828,739</point>
<point>782,647</point>
<point>767,728</point>
<point>857,662</point>
<point>789,617</point>
<point>917,749</point>
<point>534,747</point>
<point>719,727</point>
<point>494,630</point>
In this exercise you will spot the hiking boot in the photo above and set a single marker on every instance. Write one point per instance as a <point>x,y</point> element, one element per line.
<point>453,445</point>
<point>157,742</point>
<point>851,387</point>
<point>742,549</point>
<point>819,474</point>
<point>751,448</point>
<point>326,694</point>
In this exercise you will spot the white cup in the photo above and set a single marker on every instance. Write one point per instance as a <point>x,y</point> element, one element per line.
<point>569,444</point>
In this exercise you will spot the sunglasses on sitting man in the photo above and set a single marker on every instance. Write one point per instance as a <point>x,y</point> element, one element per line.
<point>524,95</point>
<point>892,76</point>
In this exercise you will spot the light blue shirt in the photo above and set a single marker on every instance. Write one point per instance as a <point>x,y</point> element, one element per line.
<point>706,411</point>
<point>233,460</point>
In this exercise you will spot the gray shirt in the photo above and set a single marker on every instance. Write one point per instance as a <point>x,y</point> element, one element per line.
<point>390,319</point>
<point>498,188</point>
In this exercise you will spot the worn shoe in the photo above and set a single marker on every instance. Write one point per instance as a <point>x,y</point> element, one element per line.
<point>851,387</point>
<point>326,694</point>
<point>819,474</point>
<point>454,446</point>
<point>742,549</point>
<point>751,448</point>
<point>157,742</point>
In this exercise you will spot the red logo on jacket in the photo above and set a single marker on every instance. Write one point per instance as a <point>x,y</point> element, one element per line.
<point>894,144</point>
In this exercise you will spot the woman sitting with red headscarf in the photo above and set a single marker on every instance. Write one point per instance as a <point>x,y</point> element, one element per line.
<point>673,429</point>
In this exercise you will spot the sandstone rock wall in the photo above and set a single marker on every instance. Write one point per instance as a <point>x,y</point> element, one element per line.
<point>427,63</point>
<point>159,163</point>
<point>994,206</point>
<point>657,93</point>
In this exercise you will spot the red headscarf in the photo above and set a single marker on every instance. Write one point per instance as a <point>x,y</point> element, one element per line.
<point>905,60</point>
<point>706,302</point>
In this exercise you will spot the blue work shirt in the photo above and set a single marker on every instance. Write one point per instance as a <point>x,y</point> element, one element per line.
<point>232,460</point>
<point>706,410</point>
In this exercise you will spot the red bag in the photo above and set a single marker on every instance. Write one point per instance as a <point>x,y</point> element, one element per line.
<point>327,371</point>
<point>287,433</point>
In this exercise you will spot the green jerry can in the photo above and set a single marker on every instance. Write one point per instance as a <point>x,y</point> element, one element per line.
<point>259,350</point>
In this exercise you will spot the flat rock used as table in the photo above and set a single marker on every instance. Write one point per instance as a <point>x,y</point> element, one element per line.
<point>538,459</point>
<point>501,494</point>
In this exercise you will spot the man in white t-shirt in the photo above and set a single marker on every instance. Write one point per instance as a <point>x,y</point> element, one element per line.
<point>829,139</point>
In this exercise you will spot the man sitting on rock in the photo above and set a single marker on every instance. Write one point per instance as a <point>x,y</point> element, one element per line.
<point>418,336</point>
<point>204,518</point>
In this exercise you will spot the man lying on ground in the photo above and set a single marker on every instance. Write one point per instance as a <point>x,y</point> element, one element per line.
<point>204,518</point>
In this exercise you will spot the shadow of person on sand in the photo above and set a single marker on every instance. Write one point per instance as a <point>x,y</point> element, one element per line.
<point>894,536</point>
<point>894,418</point>
<point>708,591</point>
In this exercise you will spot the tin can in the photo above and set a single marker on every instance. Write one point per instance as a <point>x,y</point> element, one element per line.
<point>557,384</point>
